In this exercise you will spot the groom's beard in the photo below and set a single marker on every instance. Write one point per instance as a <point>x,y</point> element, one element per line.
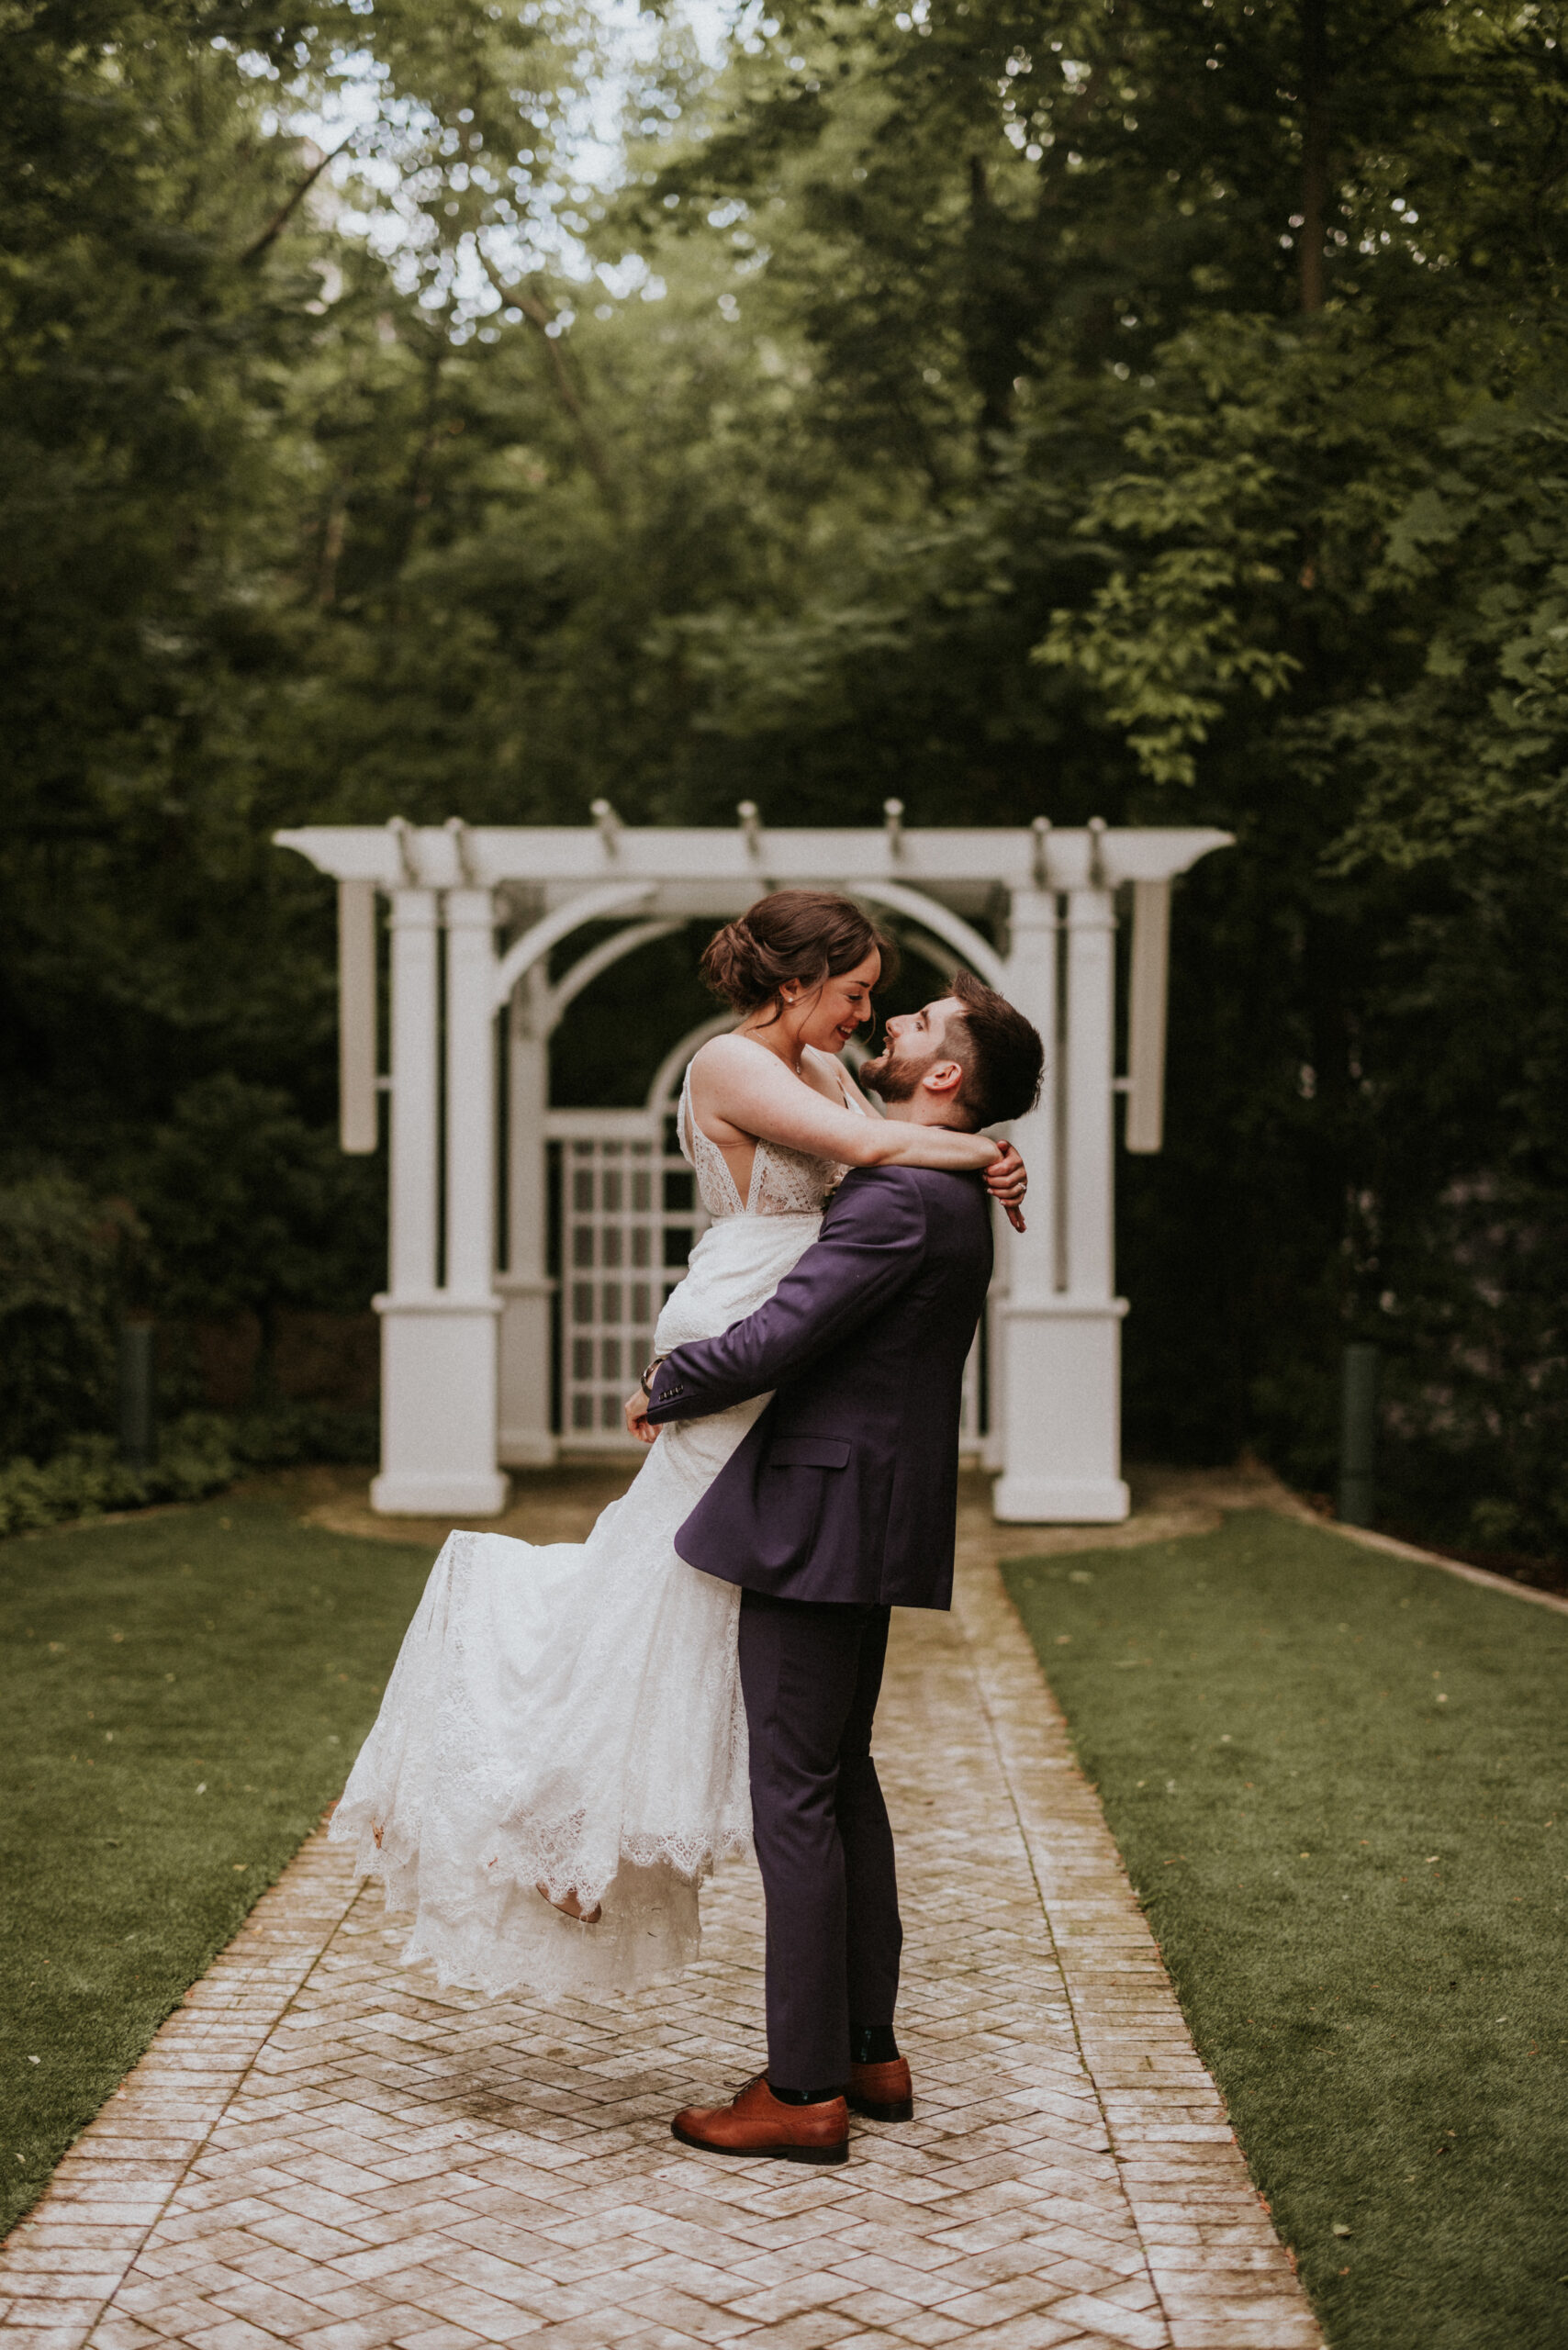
<point>895,1080</point>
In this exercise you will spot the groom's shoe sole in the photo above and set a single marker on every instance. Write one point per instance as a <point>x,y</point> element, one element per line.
<point>837,2153</point>
<point>881,2092</point>
<point>757,2122</point>
<point>900,2109</point>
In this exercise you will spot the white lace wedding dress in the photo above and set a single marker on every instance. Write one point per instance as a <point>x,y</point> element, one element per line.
<point>570,1714</point>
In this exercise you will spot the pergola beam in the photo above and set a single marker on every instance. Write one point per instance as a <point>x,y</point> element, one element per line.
<point>705,868</point>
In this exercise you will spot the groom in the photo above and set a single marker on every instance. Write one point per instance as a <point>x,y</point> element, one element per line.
<point>839,1505</point>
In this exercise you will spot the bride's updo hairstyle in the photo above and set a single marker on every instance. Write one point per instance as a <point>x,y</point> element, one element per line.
<point>807,936</point>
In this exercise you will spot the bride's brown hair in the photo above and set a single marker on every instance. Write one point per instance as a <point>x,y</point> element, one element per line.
<point>805,934</point>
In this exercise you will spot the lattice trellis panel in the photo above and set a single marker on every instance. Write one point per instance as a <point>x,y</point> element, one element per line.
<point>629,1219</point>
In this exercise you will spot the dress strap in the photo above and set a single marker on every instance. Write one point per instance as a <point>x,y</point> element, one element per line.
<point>850,1102</point>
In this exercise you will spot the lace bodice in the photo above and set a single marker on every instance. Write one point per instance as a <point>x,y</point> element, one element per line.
<point>783,1181</point>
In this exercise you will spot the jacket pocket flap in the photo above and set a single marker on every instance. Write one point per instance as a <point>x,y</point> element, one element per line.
<point>807,1452</point>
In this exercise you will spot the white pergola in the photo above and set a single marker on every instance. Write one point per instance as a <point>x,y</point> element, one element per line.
<point>475,915</point>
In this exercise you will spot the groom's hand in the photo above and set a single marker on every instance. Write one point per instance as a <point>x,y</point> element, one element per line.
<point>637,1421</point>
<point>1007,1180</point>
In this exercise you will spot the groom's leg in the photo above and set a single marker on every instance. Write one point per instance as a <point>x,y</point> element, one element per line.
<point>873,1935</point>
<point>800,1671</point>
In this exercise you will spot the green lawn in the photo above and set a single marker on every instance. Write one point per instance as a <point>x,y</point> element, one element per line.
<point>1339,1781</point>
<point>179,1697</point>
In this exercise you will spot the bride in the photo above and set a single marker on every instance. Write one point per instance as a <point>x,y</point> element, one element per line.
<point>560,1757</point>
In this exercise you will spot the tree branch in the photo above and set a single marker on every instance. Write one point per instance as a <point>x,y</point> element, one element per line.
<point>282,218</point>
<point>534,309</point>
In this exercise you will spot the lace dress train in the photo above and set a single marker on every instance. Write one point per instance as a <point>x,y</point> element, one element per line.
<point>570,1714</point>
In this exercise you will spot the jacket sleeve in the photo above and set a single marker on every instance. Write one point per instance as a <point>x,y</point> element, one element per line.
<point>871,1244</point>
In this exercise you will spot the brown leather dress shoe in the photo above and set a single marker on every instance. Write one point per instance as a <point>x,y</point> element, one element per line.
<point>882,2092</point>
<point>757,2122</point>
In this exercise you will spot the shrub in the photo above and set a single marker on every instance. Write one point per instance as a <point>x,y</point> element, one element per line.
<point>62,1259</point>
<point>199,1454</point>
<point>87,1476</point>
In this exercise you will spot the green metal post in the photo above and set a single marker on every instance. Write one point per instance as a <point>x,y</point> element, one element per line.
<point>1357,1434</point>
<point>136,1406</point>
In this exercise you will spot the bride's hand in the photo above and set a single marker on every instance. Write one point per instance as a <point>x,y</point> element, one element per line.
<point>1007,1180</point>
<point>637,1421</point>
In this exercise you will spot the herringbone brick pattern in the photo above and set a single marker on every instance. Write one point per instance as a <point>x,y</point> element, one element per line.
<point>322,2150</point>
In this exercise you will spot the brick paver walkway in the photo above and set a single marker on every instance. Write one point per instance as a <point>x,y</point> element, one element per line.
<point>320,2149</point>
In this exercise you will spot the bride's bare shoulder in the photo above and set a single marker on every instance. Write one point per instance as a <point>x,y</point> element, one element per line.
<point>727,1064</point>
<point>725,1054</point>
<point>725,1069</point>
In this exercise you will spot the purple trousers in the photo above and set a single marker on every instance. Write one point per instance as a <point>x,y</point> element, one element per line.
<point>811,1673</point>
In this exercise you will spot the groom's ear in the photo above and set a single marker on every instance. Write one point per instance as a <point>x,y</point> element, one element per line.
<point>944,1078</point>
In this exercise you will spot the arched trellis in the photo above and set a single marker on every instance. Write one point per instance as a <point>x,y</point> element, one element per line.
<point>456,1402</point>
<point>919,906</point>
<point>598,959</point>
<point>542,1337</point>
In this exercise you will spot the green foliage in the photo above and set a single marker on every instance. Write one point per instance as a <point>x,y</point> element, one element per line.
<point>1207,326</point>
<point>199,1454</point>
<point>61,1290</point>
<point>1477,747</point>
<point>249,1208</point>
<point>86,1476</point>
<point>180,396</point>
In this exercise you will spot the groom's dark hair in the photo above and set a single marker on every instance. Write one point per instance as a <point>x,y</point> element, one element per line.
<point>1000,1053</point>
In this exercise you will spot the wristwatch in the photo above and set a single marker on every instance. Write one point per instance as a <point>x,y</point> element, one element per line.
<point>650,1373</point>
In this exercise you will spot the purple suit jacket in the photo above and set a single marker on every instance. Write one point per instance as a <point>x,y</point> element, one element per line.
<point>846,1488</point>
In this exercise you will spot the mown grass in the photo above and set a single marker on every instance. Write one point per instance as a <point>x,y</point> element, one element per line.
<point>1339,1781</point>
<point>180,1698</point>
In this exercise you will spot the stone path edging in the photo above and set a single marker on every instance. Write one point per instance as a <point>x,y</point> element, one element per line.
<point>1368,1540</point>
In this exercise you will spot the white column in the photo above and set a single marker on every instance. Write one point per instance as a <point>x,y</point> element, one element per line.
<point>1062,1376</point>
<point>993,1445</point>
<point>359,1120</point>
<point>437,1346</point>
<point>415,1110</point>
<point>1146,989</point>
<point>470,1097</point>
<point>1030,1257</point>
<point>1090,1069</point>
<point>526,1438</point>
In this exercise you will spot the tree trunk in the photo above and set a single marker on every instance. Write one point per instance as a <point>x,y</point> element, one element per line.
<point>1315,86</point>
<point>332,536</point>
<point>989,314</point>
